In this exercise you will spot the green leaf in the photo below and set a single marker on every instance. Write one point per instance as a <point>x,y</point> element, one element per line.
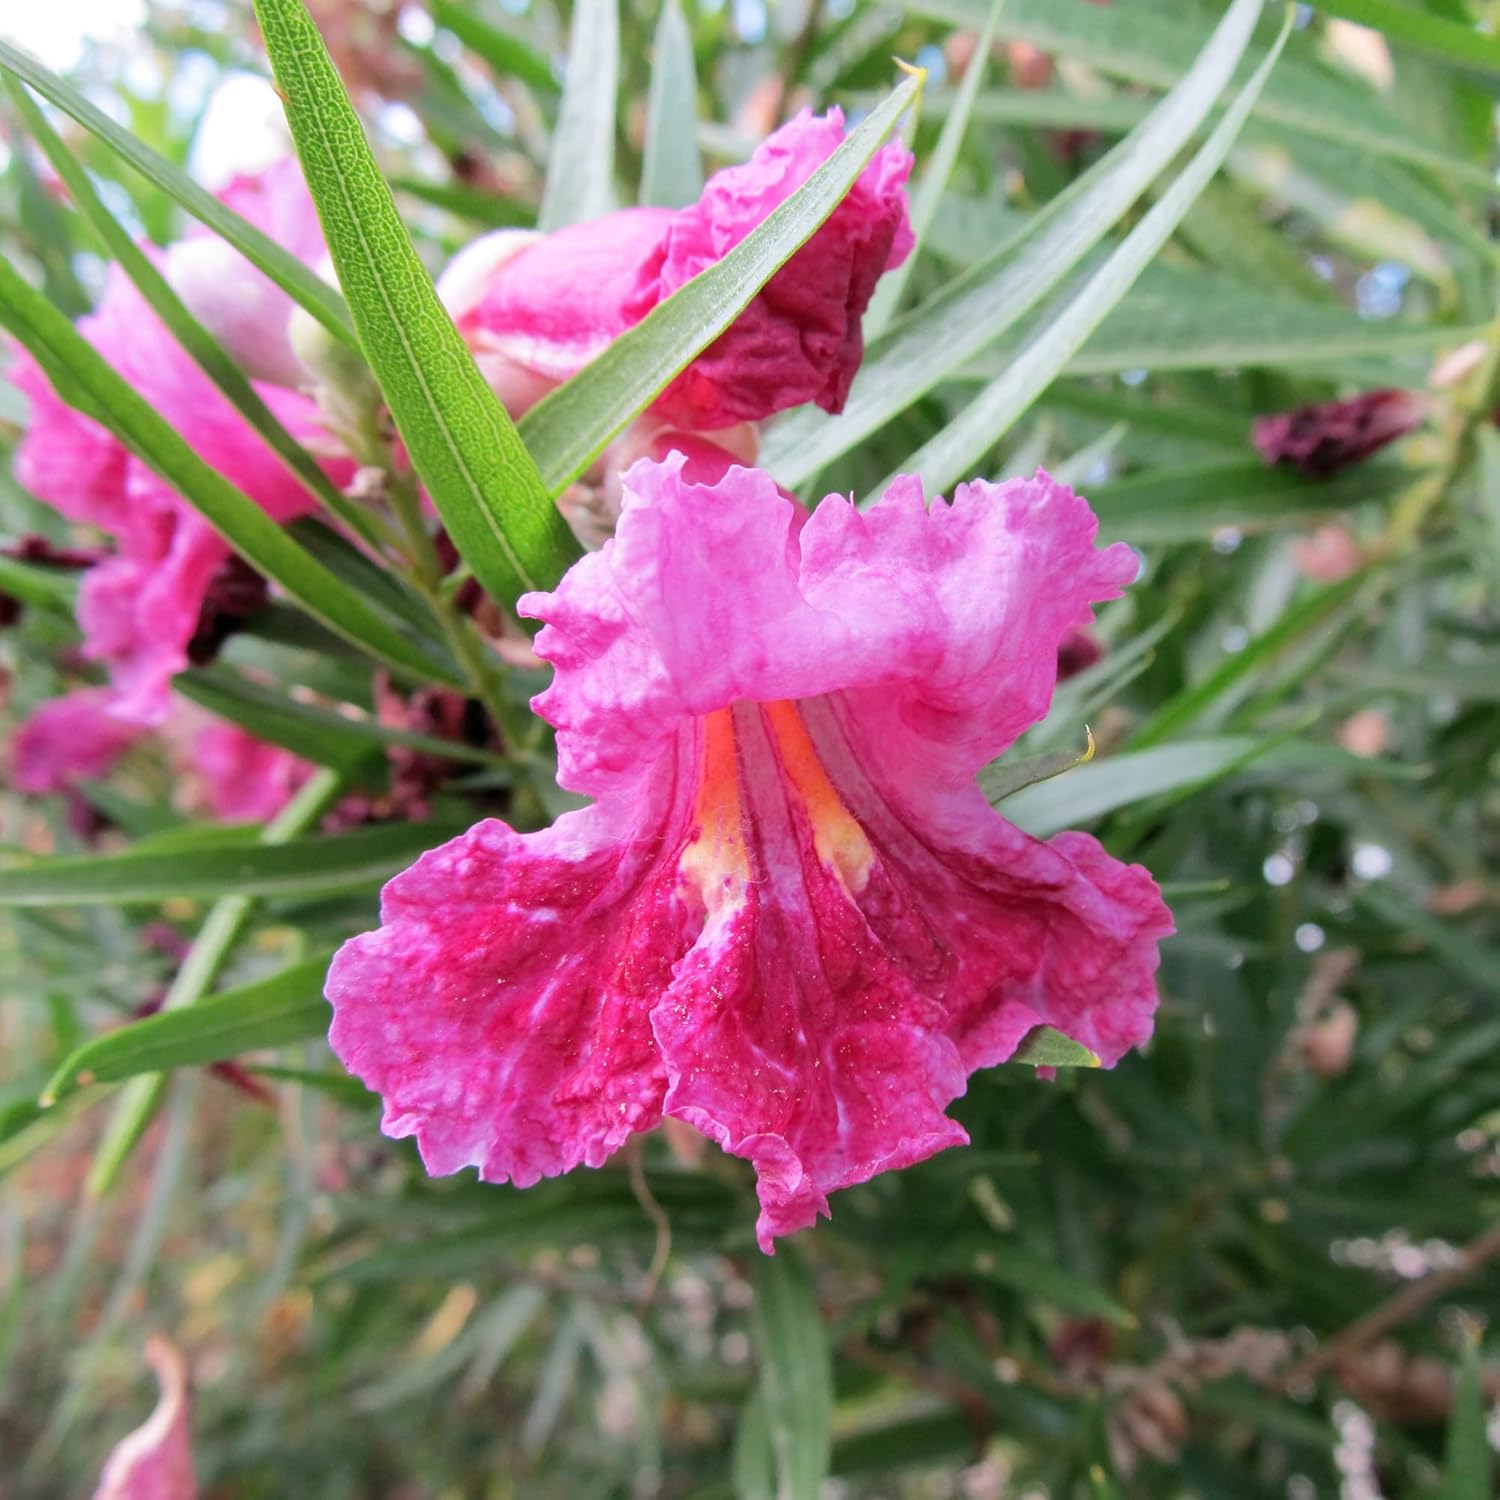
<point>796,1374</point>
<point>933,341</point>
<point>34,583</point>
<point>934,184</point>
<point>1447,40</point>
<point>288,1007</point>
<point>1181,318</point>
<point>506,53</point>
<point>1041,1280</point>
<point>299,281</point>
<point>570,427</point>
<point>949,455</point>
<point>672,174</point>
<point>1043,1047</point>
<point>210,355</point>
<point>1468,1466</point>
<point>318,734</point>
<point>301,867</point>
<point>462,444</point>
<point>581,167</point>
<point>1129,41</point>
<point>753,1464</point>
<point>73,365</point>
<point>1117,781</point>
<point>1008,775</point>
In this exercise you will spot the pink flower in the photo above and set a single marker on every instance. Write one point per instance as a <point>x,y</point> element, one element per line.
<point>537,309</point>
<point>140,608</point>
<point>1328,436</point>
<point>71,739</point>
<point>245,780</point>
<point>155,1462</point>
<point>790,918</point>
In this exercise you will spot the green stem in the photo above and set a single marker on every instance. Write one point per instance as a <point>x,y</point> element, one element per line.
<point>221,931</point>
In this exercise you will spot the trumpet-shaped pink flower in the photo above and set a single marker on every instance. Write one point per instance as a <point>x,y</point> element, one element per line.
<point>790,918</point>
<point>537,309</point>
<point>140,608</point>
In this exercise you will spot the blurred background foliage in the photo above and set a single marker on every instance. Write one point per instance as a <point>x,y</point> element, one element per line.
<point>1257,1260</point>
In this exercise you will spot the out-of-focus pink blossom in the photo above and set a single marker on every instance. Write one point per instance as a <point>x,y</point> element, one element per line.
<point>1327,436</point>
<point>244,779</point>
<point>537,310</point>
<point>790,919</point>
<point>140,608</point>
<point>71,739</point>
<point>1329,554</point>
<point>155,1462</point>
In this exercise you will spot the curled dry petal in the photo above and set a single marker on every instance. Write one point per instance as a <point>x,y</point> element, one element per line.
<point>790,919</point>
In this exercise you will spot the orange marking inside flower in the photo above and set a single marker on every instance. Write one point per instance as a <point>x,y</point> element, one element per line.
<point>838,838</point>
<point>717,860</point>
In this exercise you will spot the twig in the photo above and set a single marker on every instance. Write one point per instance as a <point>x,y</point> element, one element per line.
<point>1405,1304</point>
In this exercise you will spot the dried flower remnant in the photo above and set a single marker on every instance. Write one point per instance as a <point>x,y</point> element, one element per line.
<point>790,919</point>
<point>1328,436</point>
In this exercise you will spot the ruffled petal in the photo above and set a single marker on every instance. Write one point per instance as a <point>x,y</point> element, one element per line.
<point>551,305</point>
<point>501,1010</point>
<point>943,623</point>
<point>73,738</point>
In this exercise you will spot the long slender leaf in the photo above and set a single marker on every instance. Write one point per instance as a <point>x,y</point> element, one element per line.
<point>934,182</point>
<point>796,1374</point>
<point>72,363</point>
<point>204,348</point>
<point>1468,1464</point>
<point>672,174</point>
<point>950,454</point>
<point>937,338</point>
<point>1131,42</point>
<point>581,168</point>
<point>288,1007</point>
<point>301,867</point>
<point>568,429</point>
<point>298,280</point>
<point>506,53</point>
<point>462,444</point>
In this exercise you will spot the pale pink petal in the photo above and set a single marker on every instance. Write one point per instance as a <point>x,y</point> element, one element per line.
<point>245,779</point>
<point>71,739</point>
<point>155,1462</point>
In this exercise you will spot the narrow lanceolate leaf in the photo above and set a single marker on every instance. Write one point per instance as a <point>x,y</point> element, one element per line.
<point>573,425</point>
<point>933,341</point>
<point>953,452</point>
<point>462,444</point>
<point>1468,1464</point>
<point>76,368</point>
<point>1119,781</point>
<point>505,52</point>
<point>581,167</point>
<point>796,1374</point>
<point>285,1008</point>
<point>298,280</point>
<point>934,179</point>
<point>1147,45</point>
<point>300,867</point>
<point>154,287</point>
<point>672,175</point>
<point>1008,776</point>
<point>1045,1047</point>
